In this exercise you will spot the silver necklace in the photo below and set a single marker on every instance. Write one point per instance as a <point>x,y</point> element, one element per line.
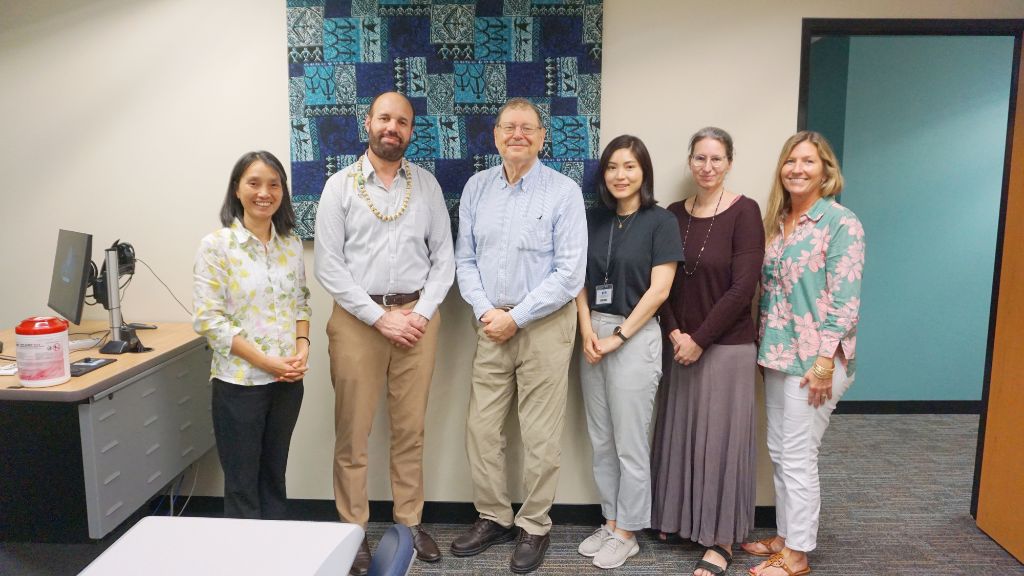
<point>624,219</point>
<point>706,236</point>
<point>782,244</point>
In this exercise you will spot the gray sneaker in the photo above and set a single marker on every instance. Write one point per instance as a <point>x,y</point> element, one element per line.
<point>615,551</point>
<point>592,544</point>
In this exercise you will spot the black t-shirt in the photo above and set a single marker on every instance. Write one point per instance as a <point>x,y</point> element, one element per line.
<point>648,238</point>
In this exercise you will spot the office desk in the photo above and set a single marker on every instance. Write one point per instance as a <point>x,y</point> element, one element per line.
<point>80,457</point>
<point>163,545</point>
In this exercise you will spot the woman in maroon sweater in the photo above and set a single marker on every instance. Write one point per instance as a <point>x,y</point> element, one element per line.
<point>703,462</point>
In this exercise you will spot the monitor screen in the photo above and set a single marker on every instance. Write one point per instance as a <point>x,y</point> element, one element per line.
<point>71,267</point>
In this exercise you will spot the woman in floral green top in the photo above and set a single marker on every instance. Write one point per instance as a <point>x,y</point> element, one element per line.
<point>251,304</point>
<point>810,297</point>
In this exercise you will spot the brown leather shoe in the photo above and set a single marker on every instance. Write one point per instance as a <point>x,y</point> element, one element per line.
<point>361,564</point>
<point>426,548</point>
<point>529,552</point>
<point>481,536</point>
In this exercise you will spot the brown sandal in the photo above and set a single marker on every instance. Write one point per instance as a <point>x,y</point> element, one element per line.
<point>767,543</point>
<point>777,560</point>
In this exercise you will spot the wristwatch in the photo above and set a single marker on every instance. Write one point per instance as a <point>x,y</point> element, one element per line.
<point>618,332</point>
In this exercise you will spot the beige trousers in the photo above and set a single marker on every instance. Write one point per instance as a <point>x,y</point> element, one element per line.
<point>364,362</point>
<point>532,369</point>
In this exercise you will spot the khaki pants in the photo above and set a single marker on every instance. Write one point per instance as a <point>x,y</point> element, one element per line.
<point>533,368</point>
<point>364,362</point>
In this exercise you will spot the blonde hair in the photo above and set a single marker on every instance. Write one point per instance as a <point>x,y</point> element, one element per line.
<point>831,179</point>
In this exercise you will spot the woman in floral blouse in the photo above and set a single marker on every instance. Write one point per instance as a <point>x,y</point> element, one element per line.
<point>250,302</point>
<point>810,296</point>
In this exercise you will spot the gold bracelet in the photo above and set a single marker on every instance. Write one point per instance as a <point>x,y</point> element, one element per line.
<point>821,372</point>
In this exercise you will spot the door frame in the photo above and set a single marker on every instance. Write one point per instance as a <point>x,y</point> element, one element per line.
<point>814,27</point>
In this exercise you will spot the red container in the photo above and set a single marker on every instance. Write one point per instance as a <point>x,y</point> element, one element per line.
<point>42,351</point>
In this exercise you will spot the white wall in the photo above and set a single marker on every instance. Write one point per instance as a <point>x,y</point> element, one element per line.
<point>123,118</point>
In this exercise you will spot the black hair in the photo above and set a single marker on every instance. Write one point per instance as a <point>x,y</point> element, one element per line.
<point>639,150</point>
<point>284,218</point>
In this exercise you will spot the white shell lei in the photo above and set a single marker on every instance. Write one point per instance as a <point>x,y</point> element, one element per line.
<point>361,185</point>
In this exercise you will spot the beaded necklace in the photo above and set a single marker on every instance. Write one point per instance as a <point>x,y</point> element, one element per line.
<point>361,185</point>
<point>706,236</point>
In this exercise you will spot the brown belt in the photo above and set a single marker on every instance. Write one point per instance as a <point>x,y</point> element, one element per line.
<point>395,299</point>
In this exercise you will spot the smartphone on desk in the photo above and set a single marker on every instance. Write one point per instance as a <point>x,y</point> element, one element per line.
<point>86,365</point>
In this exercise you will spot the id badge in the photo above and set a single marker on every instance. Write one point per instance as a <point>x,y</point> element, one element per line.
<point>604,294</point>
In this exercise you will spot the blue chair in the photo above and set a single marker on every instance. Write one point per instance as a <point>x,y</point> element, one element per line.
<point>394,553</point>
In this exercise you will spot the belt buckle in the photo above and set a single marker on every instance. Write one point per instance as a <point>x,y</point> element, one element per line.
<point>384,300</point>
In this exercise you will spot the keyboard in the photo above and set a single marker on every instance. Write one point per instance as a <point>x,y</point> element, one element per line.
<point>83,344</point>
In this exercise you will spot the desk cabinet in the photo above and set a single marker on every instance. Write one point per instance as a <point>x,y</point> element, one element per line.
<point>72,471</point>
<point>137,437</point>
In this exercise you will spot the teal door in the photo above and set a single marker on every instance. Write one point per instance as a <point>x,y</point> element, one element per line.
<point>920,123</point>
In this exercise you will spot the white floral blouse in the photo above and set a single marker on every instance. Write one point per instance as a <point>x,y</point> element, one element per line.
<point>242,287</point>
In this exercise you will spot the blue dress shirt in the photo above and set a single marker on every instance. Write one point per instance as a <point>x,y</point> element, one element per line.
<point>521,245</point>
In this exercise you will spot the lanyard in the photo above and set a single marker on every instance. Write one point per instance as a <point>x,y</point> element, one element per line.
<point>611,234</point>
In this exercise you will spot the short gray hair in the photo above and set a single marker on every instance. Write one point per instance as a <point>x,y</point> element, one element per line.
<point>519,104</point>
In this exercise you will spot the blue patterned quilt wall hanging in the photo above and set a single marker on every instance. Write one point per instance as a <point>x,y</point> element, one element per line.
<point>457,61</point>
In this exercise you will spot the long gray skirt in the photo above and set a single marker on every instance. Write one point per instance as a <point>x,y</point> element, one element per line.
<point>703,463</point>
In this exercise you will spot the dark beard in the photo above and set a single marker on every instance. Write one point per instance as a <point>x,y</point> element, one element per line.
<point>387,151</point>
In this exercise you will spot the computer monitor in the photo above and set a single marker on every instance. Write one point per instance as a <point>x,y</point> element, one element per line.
<point>70,281</point>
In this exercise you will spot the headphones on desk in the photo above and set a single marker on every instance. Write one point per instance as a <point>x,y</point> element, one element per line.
<point>98,276</point>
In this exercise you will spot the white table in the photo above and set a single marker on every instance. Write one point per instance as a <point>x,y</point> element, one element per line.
<point>160,545</point>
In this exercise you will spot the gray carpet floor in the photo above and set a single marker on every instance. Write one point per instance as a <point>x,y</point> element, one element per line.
<point>896,500</point>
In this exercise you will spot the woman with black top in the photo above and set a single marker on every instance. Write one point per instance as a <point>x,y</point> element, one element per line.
<point>634,247</point>
<point>704,451</point>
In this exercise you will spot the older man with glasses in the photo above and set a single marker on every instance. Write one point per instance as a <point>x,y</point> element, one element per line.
<point>520,261</point>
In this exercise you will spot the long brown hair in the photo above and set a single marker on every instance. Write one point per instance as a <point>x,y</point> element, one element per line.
<point>831,179</point>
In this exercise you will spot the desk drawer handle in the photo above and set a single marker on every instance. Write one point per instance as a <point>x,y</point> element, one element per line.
<point>185,426</point>
<point>184,400</point>
<point>152,449</point>
<point>154,476</point>
<point>114,508</point>
<point>150,420</point>
<point>111,478</point>
<point>108,447</point>
<point>106,415</point>
<point>148,392</point>
<point>186,451</point>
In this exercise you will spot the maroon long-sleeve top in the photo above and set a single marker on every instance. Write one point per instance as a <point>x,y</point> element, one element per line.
<point>713,305</point>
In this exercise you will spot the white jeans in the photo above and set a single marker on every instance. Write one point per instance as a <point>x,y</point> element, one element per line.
<point>795,429</point>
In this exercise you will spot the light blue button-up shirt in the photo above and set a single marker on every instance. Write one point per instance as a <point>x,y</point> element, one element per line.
<point>521,245</point>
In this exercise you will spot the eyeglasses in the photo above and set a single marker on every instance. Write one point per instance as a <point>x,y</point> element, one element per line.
<point>510,129</point>
<point>700,161</point>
